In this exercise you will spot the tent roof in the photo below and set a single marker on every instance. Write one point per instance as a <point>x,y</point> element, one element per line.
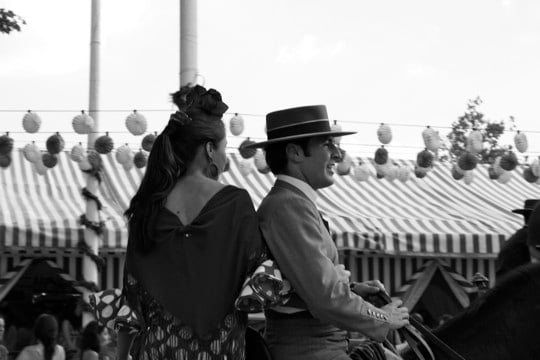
<point>433,215</point>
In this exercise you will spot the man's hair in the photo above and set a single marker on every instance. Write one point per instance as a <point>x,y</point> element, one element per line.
<point>276,154</point>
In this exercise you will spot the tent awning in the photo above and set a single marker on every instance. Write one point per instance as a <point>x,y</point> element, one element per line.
<point>421,217</point>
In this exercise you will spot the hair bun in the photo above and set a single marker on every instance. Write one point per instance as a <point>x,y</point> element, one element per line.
<point>198,99</point>
<point>180,118</point>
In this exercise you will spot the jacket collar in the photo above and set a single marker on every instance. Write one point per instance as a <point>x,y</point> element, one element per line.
<point>300,185</point>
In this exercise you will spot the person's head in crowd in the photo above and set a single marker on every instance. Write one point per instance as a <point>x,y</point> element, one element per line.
<point>2,327</point>
<point>533,234</point>
<point>94,337</point>
<point>192,142</point>
<point>528,207</point>
<point>46,332</point>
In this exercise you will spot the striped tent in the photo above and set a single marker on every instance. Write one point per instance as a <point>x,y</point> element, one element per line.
<point>433,216</point>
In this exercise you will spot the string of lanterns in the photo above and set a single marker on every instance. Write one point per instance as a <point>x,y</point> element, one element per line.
<point>254,159</point>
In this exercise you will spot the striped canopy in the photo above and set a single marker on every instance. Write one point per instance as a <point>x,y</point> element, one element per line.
<point>420,217</point>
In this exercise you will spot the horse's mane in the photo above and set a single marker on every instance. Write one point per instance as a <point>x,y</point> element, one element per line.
<point>497,318</point>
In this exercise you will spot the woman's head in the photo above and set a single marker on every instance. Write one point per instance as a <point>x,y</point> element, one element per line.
<point>193,140</point>
<point>93,337</point>
<point>46,331</point>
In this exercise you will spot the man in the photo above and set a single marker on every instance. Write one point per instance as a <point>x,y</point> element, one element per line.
<point>533,234</point>
<point>300,151</point>
<point>515,251</point>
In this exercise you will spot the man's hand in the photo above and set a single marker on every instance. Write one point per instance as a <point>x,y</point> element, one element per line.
<point>367,287</point>
<point>397,316</point>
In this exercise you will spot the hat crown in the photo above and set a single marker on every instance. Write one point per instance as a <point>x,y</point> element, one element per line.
<point>530,204</point>
<point>296,116</point>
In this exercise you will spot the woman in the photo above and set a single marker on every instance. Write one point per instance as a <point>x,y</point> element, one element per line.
<point>192,241</point>
<point>46,334</point>
<point>93,338</point>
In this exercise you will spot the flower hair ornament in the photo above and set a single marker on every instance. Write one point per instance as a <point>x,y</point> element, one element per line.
<point>198,99</point>
<point>180,118</point>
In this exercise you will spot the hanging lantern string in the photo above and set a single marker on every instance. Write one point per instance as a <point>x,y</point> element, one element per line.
<point>89,196</point>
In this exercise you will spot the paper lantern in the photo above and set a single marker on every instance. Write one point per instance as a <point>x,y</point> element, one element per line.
<point>260,162</point>
<point>361,172</point>
<point>136,123</point>
<point>336,127</point>
<point>535,167</point>
<point>505,177</point>
<point>95,160</point>
<point>148,141</point>
<point>493,175</point>
<point>468,177</point>
<point>497,166</point>
<point>40,168</point>
<point>344,166</point>
<point>104,144</point>
<point>124,154</point>
<point>31,122</point>
<point>245,166</point>
<point>6,144</point>
<point>247,153</point>
<point>457,173</point>
<point>83,123</point>
<point>77,153</point>
<point>432,140</point>
<point>467,161</point>
<point>49,160</point>
<point>31,152</point>
<point>521,142</point>
<point>424,158</point>
<point>384,134</point>
<point>381,156</point>
<point>55,144</point>
<point>391,173</point>
<point>128,165</point>
<point>420,172</point>
<point>529,176</point>
<point>236,125</point>
<point>475,142</point>
<point>5,160</point>
<point>84,164</point>
<point>509,161</point>
<point>403,173</point>
<point>140,160</point>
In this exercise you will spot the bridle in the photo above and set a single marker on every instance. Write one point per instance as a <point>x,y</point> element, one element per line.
<point>416,342</point>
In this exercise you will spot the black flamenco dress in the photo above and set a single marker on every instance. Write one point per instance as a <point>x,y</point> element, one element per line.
<point>183,291</point>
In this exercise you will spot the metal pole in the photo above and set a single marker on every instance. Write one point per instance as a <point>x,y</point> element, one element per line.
<point>188,42</point>
<point>89,267</point>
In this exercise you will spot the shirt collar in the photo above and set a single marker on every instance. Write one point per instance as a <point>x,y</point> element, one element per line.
<point>300,185</point>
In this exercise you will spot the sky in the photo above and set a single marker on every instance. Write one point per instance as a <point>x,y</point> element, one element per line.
<point>406,63</point>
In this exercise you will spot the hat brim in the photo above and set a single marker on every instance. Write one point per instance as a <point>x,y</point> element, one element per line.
<point>522,211</point>
<point>263,144</point>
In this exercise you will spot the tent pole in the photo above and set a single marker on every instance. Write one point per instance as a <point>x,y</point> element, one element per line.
<point>188,42</point>
<point>89,267</point>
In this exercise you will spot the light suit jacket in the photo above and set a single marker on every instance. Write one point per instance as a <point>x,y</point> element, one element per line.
<point>307,256</point>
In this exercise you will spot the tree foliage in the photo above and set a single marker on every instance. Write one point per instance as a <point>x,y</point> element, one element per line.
<point>9,21</point>
<point>491,131</point>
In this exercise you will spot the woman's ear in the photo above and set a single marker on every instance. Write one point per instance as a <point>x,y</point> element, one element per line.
<point>209,149</point>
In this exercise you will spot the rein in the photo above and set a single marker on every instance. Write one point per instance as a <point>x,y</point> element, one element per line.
<point>413,340</point>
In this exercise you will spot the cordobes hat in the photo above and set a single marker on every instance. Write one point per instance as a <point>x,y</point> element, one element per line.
<point>528,206</point>
<point>533,228</point>
<point>296,123</point>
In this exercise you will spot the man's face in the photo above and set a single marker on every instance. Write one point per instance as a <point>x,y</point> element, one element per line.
<point>318,167</point>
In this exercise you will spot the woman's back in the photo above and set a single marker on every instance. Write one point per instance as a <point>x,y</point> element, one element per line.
<point>36,352</point>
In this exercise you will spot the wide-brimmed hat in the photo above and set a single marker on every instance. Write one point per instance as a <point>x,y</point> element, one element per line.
<point>296,123</point>
<point>533,228</point>
<point>528,207</point>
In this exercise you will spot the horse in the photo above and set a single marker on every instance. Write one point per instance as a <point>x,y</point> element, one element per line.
<point>502,324</point>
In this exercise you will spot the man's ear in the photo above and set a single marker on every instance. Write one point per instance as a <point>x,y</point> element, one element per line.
<point>294,152</point>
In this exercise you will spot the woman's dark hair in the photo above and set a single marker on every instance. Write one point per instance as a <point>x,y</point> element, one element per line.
<point>89,338</point>
<point>197,122</point>
<point>276,154</point>
<point>46,331</point>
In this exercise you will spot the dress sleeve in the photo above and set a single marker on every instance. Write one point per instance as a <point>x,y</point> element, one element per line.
<point>298,246</point>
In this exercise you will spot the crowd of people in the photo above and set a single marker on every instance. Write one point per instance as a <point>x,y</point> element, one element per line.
<point>193,242</point>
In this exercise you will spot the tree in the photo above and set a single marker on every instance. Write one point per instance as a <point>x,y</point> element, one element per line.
<point>10,21</point>
<point>491,131</point>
